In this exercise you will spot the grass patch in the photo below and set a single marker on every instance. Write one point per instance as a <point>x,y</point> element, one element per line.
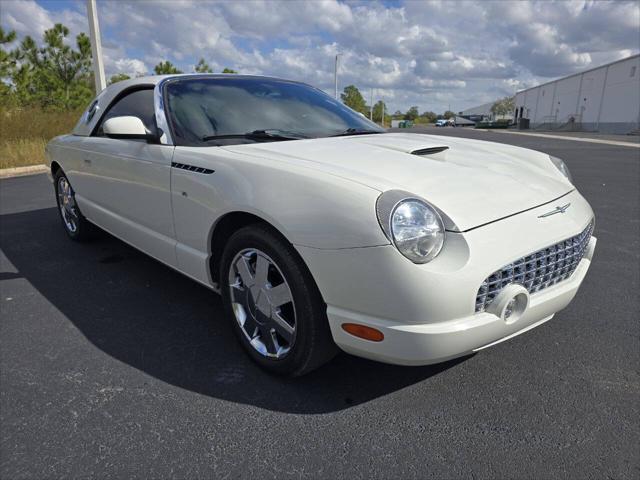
<point>22,152</point>
<point>24,132</point>
<point>421,121</point>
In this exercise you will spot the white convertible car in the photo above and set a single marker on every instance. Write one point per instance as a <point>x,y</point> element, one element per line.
<point>318,228</point>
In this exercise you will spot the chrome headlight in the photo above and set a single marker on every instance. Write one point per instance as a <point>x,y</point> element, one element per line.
<point>560,165</point>
<point>414,226</point>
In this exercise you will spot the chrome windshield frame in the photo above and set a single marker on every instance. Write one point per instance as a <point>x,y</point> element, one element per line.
<point>161,113</point>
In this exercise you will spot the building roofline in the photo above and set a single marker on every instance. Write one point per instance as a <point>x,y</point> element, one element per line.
<point>489,104</point>
<point>579,73</point>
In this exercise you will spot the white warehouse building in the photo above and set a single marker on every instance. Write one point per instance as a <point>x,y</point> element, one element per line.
<point>604,99</point>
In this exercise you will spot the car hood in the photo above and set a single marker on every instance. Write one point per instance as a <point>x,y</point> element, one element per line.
<point>471,182</point>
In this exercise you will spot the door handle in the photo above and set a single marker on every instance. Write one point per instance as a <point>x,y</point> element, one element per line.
<point>87,161</point>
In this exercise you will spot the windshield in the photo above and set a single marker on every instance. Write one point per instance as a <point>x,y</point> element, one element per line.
<point>208,111</point>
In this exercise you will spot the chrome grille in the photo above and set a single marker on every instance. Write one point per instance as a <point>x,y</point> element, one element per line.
<point>538,270</point>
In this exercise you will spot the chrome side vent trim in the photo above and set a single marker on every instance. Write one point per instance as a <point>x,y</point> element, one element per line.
<point>191,168</point>
<point>429,151</point>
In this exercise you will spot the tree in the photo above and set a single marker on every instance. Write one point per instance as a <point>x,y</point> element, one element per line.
<point>65,69</point>
<point>229,70</point>
<point>118,77</point>
<point>503,107</point>
<point>429,117</point>
<point>377,111</point>
<point>54,76</point>
<point>353,98</point>
<point>7,60</point>
<point>166,68</point>
<point>202,67</point>
<point>7,64</point>
<point>411,114</point>
<point>448,114</point>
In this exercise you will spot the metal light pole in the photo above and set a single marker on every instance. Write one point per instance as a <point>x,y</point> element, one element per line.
<point>371,111</point>
<point>96,46</point>
<point>335,74</point>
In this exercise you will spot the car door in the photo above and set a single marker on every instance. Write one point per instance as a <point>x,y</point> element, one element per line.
<point>126,182</point>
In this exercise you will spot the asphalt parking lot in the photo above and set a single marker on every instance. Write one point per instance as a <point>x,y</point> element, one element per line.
<point>112,365</point>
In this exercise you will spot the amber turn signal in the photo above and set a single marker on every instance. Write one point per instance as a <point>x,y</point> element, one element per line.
<point>362,331</point>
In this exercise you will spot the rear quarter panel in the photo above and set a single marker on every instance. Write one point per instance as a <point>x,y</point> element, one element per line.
<point>66,151</point>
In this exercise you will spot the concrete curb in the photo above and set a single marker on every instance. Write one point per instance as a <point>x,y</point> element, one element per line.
<point>575,139</point>
<point>21,171</point>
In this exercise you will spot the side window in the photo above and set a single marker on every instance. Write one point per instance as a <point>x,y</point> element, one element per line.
<point>138,104</point>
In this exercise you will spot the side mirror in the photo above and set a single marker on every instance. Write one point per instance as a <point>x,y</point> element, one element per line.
<point>127,127</point>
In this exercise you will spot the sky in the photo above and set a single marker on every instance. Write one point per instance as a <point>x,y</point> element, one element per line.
<point>433,54</point>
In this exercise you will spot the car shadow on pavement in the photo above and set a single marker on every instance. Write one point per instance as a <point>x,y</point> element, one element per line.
<point>167,326</point>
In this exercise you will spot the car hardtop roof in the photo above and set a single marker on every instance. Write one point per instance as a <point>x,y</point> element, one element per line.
<point>106,96</point>
<point>155,79</point>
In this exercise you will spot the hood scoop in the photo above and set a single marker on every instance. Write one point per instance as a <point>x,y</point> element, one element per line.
<point>438,153</point>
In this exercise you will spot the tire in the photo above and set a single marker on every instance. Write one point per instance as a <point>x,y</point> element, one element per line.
<point>74,223</point>
<point>257,303</point>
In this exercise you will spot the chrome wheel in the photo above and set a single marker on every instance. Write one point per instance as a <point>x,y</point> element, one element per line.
<point>262,303</point>
<point>67,205</point>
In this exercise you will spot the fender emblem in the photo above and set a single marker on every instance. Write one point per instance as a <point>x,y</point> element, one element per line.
<point>561,209</point>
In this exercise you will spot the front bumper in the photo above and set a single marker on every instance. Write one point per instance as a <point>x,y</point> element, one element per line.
<point>427,312</point>
<point>422,344</point>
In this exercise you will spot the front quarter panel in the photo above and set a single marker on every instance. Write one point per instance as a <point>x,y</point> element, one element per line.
<point>309,207</point>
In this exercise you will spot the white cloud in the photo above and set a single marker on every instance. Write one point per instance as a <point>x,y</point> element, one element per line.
<point>131,66</point>
<point>27,17</point>
<point>557,39</point>
<point>433,54</point>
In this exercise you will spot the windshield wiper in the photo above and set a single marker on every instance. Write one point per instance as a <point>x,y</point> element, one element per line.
<point>355,131</point>
<point>270,134</point>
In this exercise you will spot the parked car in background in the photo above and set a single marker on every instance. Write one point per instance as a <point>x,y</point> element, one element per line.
<point>319,229</point>
<point>444,122</point>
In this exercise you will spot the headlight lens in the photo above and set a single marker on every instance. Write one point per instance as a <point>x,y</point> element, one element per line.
<point>560,165</point>
<point>417,230</point>
<point>415,227</point>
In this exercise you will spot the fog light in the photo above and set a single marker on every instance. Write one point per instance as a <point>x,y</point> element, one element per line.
<point>510,303</point>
